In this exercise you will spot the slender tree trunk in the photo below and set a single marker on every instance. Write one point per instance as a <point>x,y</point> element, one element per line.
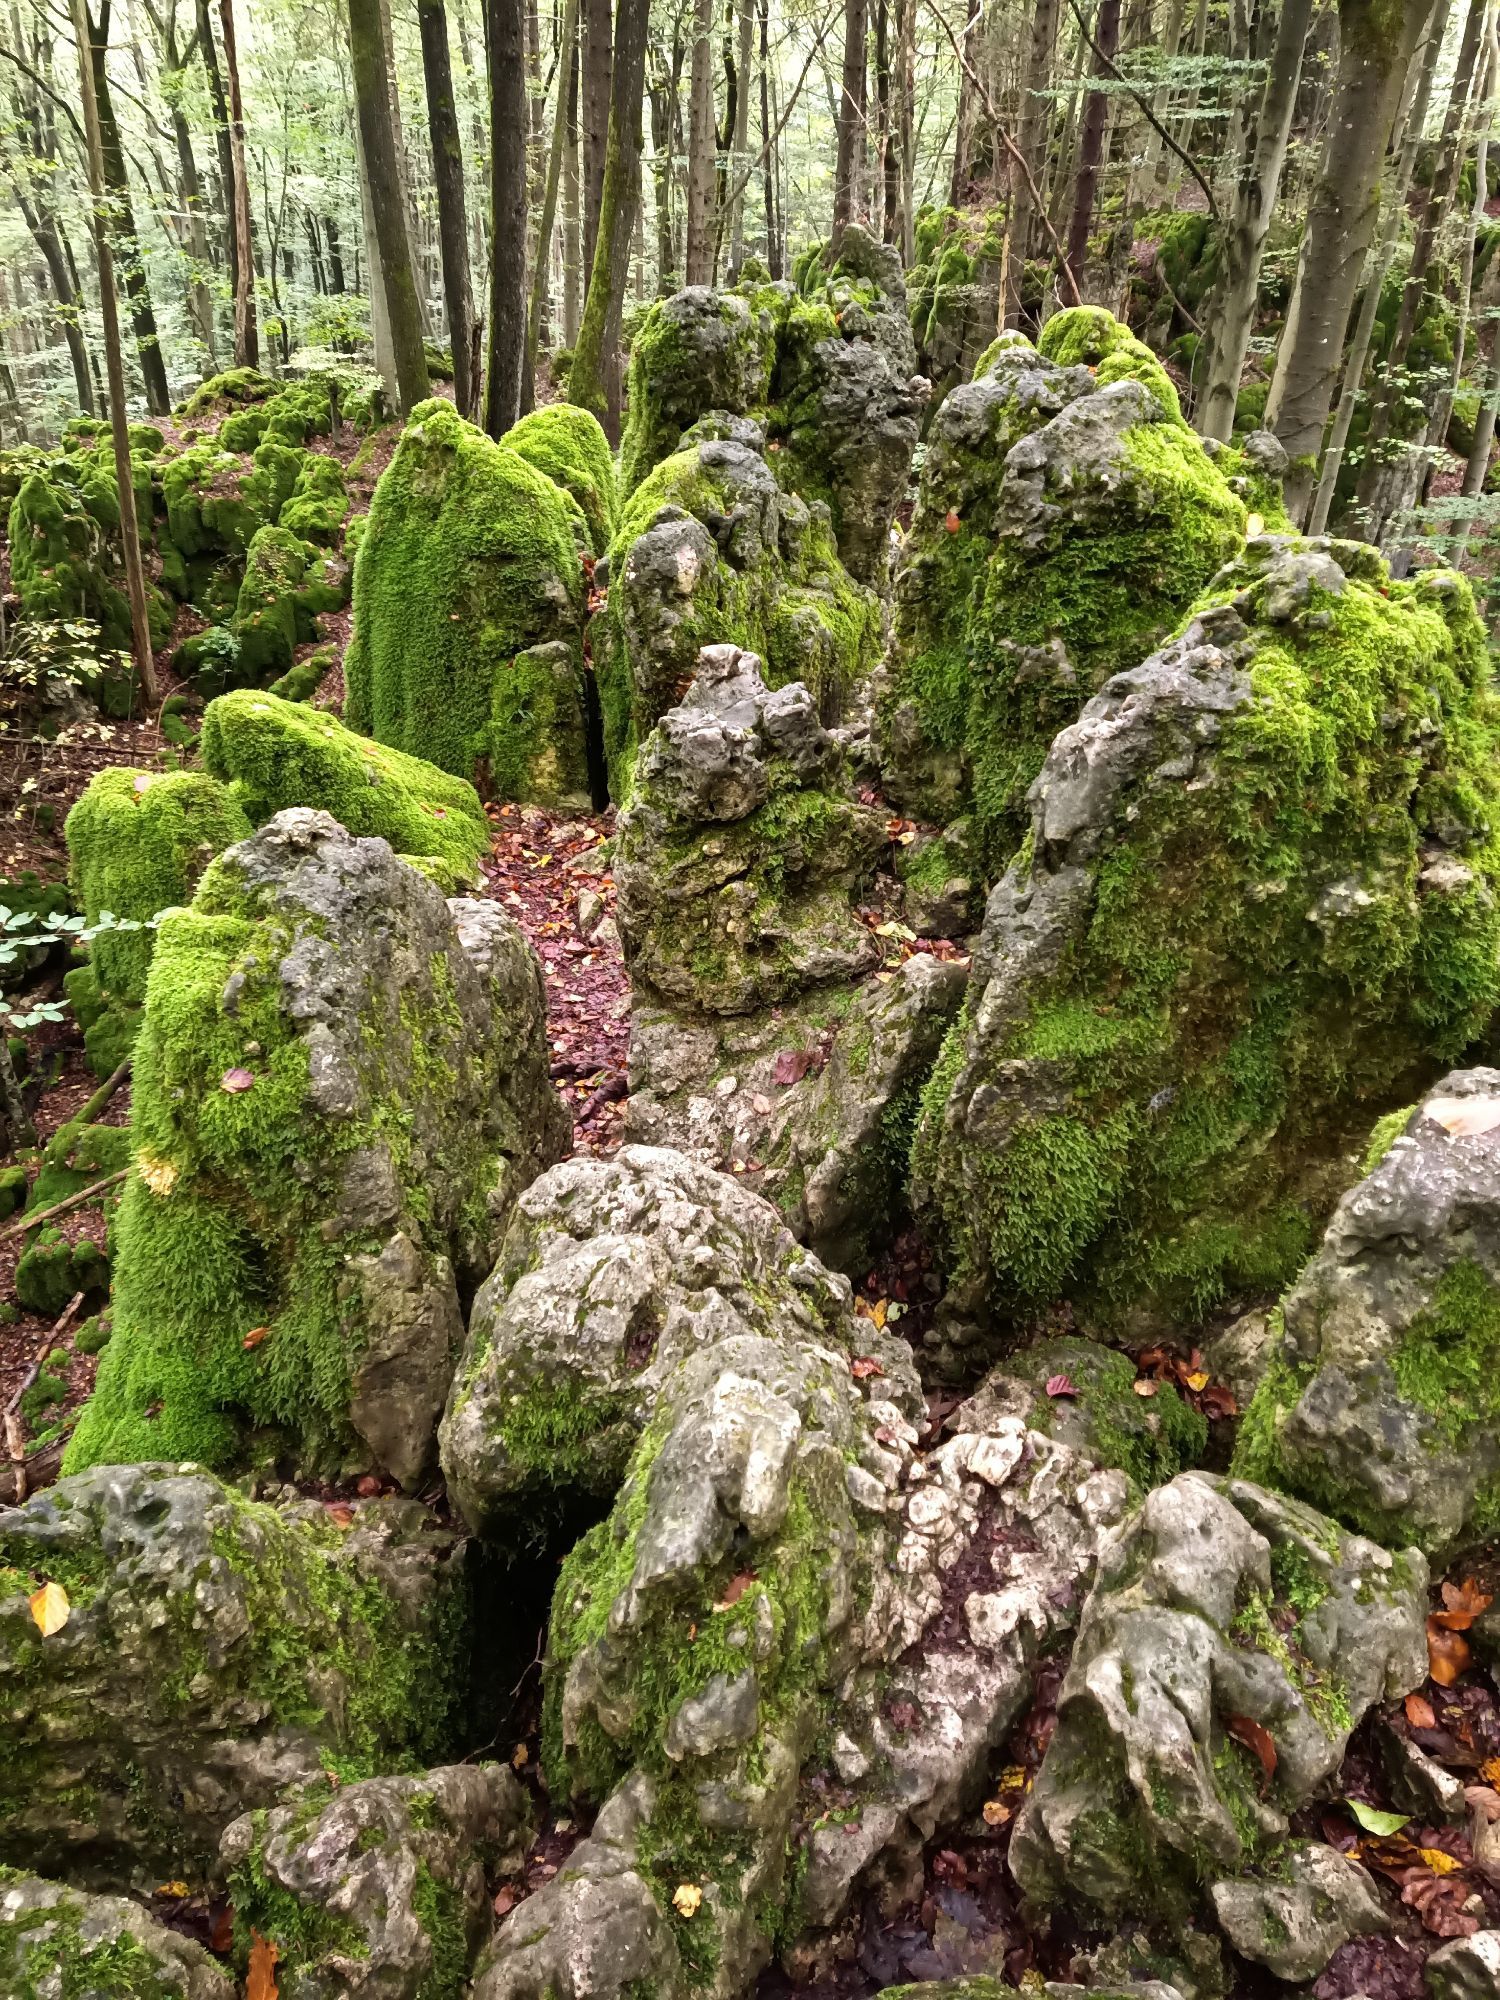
<point>1030,132</point>
<point>967,114</point>
<point>739,162</point>
<point>222,145</point>
<point>1376,45</point>
<point>599,334</point>
<point>246,334</point>
<point>89,57</point>
<point>453,221</point>
<point>549,204</point>
<point>137,287</point>
<point>508,134</point>
<point>42,223</point>
<point>851,122</point>
<point>774,260</point>
<point>1091,140</point>
<point>1230,314</point>
<point>387,207</point>
<point>906,97</point>
<point>1375,273</point>
<point>659,96</point>
<point>380,319</point>
<point>598,61</point>
<point>701,147</point>
<point>572,212</point>
<point>1143,177</point>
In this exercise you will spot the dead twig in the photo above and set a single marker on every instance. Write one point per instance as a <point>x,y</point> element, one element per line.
<point>60,1207</point>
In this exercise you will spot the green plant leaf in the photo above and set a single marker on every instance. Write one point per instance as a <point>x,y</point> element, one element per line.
<point>1375,1821</point>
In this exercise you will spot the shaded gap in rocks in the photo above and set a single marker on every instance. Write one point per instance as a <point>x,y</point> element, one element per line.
<point>593,732</point>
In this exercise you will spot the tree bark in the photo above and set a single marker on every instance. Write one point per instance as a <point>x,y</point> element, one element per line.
<point>1091,139</point>
<point>246,334</point>
<point>549,202</point>
<point>453,220</point>
<point>739,147</point>
<point>387,207</point>
<point>1230,313</point>
<point>598,60</point>
<point>774,260</point>
<point>506,37</point>
<point>906,96</point>
<point>599,334</point>
<point>90,59</point>
<point>572,210</point>
<point>137,286</point>
<point>699,254</point>
<point>851,123</point>
<point>221,129</point>
<point>1030,133</point>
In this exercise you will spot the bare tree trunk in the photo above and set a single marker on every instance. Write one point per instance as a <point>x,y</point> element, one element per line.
<point>1091,139</point>
<point>549,203</point>
<point>89,55</point>
<point>222,145</point>
<point>380,319</point>
<point>739,175</point>
<point>403,172</point>
<point>42,223</point>
<point>508,132</point>
<point>906,95</point>
<point>851,123</point>
<point>572,212</point>
<point>137,288</point>
<point>701,138</point>
<point>659,96</point>
<point>599,335</point>
<point>774,260</point>
<point>1030,132</point>
<point>246,334</point>
<point>1230,313</point>
<point>1376,44</point>
<point>453,220</point>
<point>370,65</point>
<point>597,63</point>
<point>967,113</point>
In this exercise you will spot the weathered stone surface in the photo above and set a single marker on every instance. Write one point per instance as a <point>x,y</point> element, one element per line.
<point>1380,1396</point>
<point>737,858</point>
<point>697,351</point>
<point>381,1895</point>
<point>340,1087</point>
<point>612,1274</point>
<point>824,1096</point>
<point>1256,905</point>
<point>216,1652</point>
<point>58,1943</point>
<point>1222,1606</point>
<point>1293,1925</point>
<point>1466,1969</point>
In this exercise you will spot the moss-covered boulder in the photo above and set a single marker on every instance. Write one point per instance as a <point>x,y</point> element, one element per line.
<point>272,754</point>
<point>1256,907</point>
<point>340,1088</point>
<point>60,1943</point>
<point>1225,1622</point>
<point>390,1873</point>
<point>953,293</point>
<point>696,351</point>
<point>53,1267</point>
<point>137,843</point>
<point>232,386</point>
<point>710,550</point>
<point>215,501</point>
<point>319,502</point>
<point>286,584</point>
<point>215,1651</point>
<point>567,443</point>
<point>737,857</point>
<point>1381,1395</point>
<point>65,561</point>
<point>1066,520</point>
<point>469,560</point>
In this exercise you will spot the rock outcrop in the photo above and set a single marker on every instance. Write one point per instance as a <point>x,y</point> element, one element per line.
<point>340,1088</point>
<point>62,1942</point>
<point>1256,905</point>
<point>215,1653</point>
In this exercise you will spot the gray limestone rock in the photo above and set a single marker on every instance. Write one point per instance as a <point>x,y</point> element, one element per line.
<point>59,1943</point>
<point>391,1877</point>
<point>1294,1923</point>
<point>1466,1969</point>
<point>1221,1606</point>
<point>216,1652</point>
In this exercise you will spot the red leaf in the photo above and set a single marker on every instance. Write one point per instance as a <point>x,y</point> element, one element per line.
<point>254,1337</point>
<point>1257,1739</point>
<point>1061,1385</point>
<point>236,1079</point>
<point>864,1367</point>
<point>952,522</point>
<point>1419,1712</point>
<point>791,1066</point>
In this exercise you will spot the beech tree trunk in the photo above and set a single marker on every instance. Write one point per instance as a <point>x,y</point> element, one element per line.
<point>549,206</point>
<point>851,123</point>
<point>1230,314</point>
<point>453,220</point>
<point>699,253</point>
<point>1031,129</point>
<point>508,134</point>
<point>246,333</point>
<point>572,210</point>
<point>774,260</point>
<point>593,379</point>
<point>739,146</point>
<point>126,242</point>
<point>222,146</point>
<point>597,63</point>
<point>1376,44</point>
<point>1091,138</point>
<point>387,206</point>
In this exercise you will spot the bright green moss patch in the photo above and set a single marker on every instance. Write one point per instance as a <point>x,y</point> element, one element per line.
<point>568,445</point>
<point>1385,1134</point>
<point>286,584</point>
<point>233,385</point>
<point>1090,336</point>
<point>468,559</point>
<point>273,754</point>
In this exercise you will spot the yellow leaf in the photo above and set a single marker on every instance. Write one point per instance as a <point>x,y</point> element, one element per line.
<point>1489,1770</point>
<point>518,1757</point>
<point>1198,1379</point>
<point>176,1890</point>
<point>50,1608</point>
<point>995,1814</point>
<point>159,1175</point>
<point>1438,1862</point>
<point>1256,525</point>
<point>687,1899</point>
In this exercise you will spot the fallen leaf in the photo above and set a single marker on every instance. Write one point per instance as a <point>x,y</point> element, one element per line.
<point>368,1486</point>
<point>863,1367</point>
<point>1420,1714</point>
<point>519,1757</point>
<point>175,1891</point>
<point>1257,1739</point>
<point>1061,1385</point>
<point>260,1980</point>
<point>159,1175</point>
<point>340,1513</point>
<point>221,1937</point>
<point>255,1336</point>
<point>1144,1386</point>
<point>1197,1381</point>
<point>1464,1117</point>
<point>995,1814</point>
<point>1254,525</point>
<point>1373,1820</point>
<point>1447,1653</point>
<point>1439,1862</point>
<point>735,1589</point>
<point>505,1899</point>
<point>687,1899</point>
<point>1219,1400</point>
<point>791,1066</point>
<point>951,522</point>
<point>236,1080</point>
<point>1462,1604</point>
<point>50,1608</point>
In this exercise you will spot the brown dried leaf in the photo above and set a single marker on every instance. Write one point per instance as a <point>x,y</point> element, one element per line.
<point>254,1337</point>
<point>1448,1653</point>
<point>735,1589</point>
<point>260,1980</point>
<point>1257,1739</point>
<point>863,1367</point>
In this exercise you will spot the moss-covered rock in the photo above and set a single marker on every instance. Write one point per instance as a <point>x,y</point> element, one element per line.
<point>235,386</point>
<point>1257,904</point>
<point>953,293</point>
<point>77,1155</point>
<point>738,855</point>
<point>469,559</point>
<point>710,550</point>
<point>319,502</point>
<point>1066,520</point>
<point>51,1269</point>
<point>340,1088</point>
<point>286,584</point>
<point>696,351</point>
<point>215,1652</point>
<point>60,1943</point>
<point>273,754</point>
<point>215,501</point>
<point>1379,1400</point>
<point>568,444</point>
<point>65,561</point>
<point>137,843</point>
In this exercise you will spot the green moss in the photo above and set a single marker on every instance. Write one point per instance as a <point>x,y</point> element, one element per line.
<point>75,1157</point>
<point>469,558</point>
<point>1386,1132</point>
<point>319,502</point>
<point>63,1953</point>
<point>1092,337</point>
<point>137,843</point>
<point>568,445</point>
<point>51,1270</point>
<point>233,385</point>
<point>286,584</point>
<point>273,754</point>
<point>674,377</point>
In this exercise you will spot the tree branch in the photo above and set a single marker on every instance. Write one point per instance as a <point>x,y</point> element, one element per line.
<point>1112,70</point>
<point>43,85</point>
